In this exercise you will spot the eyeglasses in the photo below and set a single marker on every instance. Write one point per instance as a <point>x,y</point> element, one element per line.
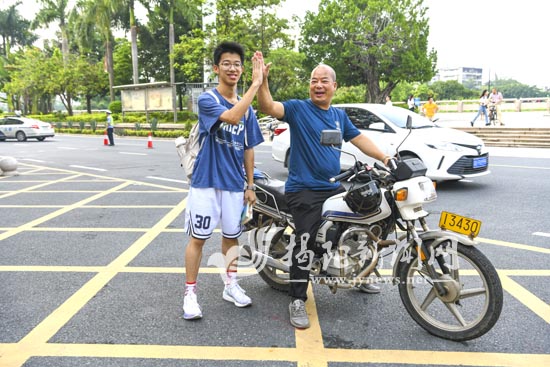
<point>226,65</point>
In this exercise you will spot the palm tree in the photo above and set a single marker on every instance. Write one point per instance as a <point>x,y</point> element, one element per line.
<point>97,15</point>
<point>14,30</point>
<point>121,6</point>
<point>191,12</point>
<point>51,11</point>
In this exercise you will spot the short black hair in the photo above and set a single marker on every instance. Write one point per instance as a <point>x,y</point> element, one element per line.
<point>230,47</point>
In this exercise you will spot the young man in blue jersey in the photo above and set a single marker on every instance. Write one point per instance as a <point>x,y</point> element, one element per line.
<point>229,131</point>
<point>310,167</point>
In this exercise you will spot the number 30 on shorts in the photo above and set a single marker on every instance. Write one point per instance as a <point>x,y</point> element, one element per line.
<point>202,222</point>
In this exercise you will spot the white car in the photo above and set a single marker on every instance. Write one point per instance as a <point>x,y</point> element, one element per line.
<point>21,128</point>
<point>448,154</point>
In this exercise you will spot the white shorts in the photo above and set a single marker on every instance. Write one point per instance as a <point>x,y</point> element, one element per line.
<point>206,207</point>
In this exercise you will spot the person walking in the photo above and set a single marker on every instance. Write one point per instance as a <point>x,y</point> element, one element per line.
<point>482,108</point>
<point>228,131</point>
<point>388,101</point>
<point>410,103</point>
<point>110,128</point>
<point>311,165</point>
<point>496,99</point>
<point>430,108</point>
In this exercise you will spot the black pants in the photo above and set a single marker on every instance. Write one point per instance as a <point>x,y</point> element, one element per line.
<point>305,207</point>
<point>110,135</point>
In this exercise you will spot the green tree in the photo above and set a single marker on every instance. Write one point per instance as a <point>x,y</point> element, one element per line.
<point>252,23</point>
<point>97,16</point>
<point>14,30</point>
<point>288,78</point>
<point>94,81</point>
<point>452,90</point>
<point>29,75</point>
<point>54,11</point>
<point>122,62</point>
<point>126,9</point>
<point>190,54</point>
<point>378,43</point>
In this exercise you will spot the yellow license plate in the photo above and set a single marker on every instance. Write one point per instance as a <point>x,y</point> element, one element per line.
<point>459,224</point>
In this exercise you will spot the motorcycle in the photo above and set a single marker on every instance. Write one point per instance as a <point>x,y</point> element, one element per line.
<point>445,283</point>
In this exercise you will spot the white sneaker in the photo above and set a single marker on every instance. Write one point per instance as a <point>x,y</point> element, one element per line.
<point>234,293</point>
<point>191,308</point>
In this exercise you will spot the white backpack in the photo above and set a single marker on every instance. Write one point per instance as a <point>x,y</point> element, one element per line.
<point>188,149</point>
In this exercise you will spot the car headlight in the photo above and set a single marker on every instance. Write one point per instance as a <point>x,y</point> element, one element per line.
<point>446,146</point>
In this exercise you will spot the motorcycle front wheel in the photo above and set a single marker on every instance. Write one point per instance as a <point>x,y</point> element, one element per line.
<point>473,299</point>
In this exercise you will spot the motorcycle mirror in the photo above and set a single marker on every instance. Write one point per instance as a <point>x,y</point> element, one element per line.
<point>331,137</point>
<point>409,122</point>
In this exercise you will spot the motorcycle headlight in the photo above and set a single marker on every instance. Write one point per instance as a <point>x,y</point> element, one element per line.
<point>446,146</point>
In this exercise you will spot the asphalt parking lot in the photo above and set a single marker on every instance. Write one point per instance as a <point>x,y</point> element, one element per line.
<point>92,272</point>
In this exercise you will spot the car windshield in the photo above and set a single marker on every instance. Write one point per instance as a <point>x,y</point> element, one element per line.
<point>399,116</point>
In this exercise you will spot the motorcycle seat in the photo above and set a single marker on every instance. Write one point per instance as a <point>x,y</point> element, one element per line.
<point>274,187</point>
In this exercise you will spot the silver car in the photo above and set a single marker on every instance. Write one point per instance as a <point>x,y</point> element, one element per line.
<point>21,128</point>
<point>448,154</point>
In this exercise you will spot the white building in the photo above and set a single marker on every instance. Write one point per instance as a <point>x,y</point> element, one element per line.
<point>467,76</point>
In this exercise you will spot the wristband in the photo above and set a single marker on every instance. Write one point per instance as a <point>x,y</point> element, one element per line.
<point>251,187</point>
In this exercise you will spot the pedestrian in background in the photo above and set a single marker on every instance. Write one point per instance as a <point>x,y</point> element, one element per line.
<point>110,128</point>
<point>496,99</point>
<point>430,108</point>
<point>482,108</point>
<point>388,101</point>
<point>410,103</point>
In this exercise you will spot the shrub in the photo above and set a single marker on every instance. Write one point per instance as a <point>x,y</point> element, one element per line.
<point>115,107</point>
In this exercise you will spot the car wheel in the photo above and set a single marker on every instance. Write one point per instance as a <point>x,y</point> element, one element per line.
<point>41,138</point>
<point>21,136</point>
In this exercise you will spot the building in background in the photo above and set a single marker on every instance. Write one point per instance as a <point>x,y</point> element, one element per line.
<point>470,77</point>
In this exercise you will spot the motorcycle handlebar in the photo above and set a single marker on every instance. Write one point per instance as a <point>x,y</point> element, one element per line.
<point>342,176</point>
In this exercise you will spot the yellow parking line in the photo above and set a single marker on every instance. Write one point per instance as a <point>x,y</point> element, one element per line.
<point>59,317</point>
<point>309,342</point>
<point>61,171</point>
<point>59,212</point>
<point>518,246</point>
<point>150,351</point>
<point>532,302</point>
<point>419,357</point>
<point>28,189</point>
<point>9,353</point>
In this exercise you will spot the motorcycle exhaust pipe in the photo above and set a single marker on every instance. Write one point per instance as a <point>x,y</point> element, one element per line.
<point>262,259</point>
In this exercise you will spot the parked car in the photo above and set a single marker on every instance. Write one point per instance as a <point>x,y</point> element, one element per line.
<point>21,128</point>
<point>448,154</point>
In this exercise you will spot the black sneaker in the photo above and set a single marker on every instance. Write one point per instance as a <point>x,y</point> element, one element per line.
<point>298,314</point>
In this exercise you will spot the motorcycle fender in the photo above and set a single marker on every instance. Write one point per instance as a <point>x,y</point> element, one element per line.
<point>438,235</point>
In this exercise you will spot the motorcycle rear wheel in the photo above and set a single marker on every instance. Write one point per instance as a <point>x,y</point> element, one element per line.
<point>474,297</point>
<point>275,278</point>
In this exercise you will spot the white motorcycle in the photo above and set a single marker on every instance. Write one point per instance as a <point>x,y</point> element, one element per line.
<point>446,284</point>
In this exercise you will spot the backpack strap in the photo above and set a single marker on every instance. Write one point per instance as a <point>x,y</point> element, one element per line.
<point>247,113</point>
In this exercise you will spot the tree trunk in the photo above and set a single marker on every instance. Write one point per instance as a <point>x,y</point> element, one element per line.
<point>89,103</point>
<point>172,72</point>
<point>110,70</point>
